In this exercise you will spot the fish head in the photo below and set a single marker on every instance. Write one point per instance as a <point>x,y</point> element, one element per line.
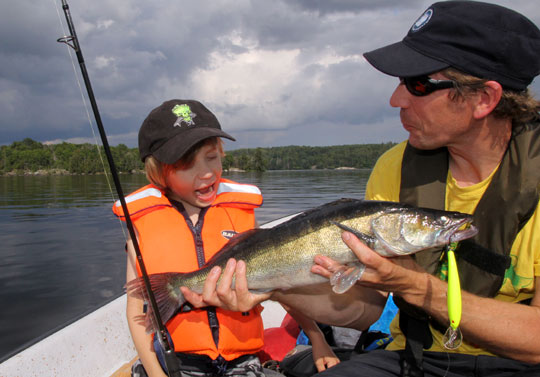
<point>408,230</point>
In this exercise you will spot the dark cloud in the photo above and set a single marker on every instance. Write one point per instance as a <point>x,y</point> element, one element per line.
<point>324,7</point>
<point>275,72</point>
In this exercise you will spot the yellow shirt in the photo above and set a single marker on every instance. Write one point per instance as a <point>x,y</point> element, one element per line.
<point>519,279</point>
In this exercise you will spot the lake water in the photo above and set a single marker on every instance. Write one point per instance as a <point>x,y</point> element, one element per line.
<point>62,249</point>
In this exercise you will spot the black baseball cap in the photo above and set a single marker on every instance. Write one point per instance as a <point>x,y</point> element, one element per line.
<point>484,40</point>
<point>175,126</point>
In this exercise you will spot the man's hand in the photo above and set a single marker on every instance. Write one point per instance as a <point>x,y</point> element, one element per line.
<point>395,274</point>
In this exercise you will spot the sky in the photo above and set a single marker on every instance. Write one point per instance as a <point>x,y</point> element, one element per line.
<point>274,72</point>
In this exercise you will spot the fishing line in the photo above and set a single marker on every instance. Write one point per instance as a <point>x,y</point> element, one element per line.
<point>91,124</point>
<point>448,365</point>
<point>171,361</point>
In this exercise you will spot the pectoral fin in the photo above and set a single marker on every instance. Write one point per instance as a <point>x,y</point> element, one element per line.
<point>343,279</point>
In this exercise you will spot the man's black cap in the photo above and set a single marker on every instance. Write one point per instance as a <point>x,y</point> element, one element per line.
<point>484,40</point>
<point>175,126</point>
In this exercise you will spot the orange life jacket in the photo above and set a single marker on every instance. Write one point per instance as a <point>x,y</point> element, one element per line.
<point>169,244</point>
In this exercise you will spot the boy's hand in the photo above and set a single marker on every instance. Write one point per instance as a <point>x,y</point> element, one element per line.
<point>222,294</point>
<point>324,357</point>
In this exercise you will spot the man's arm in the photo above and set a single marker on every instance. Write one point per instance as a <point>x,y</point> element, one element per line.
<point>507,329</point>
<point>357,308</point>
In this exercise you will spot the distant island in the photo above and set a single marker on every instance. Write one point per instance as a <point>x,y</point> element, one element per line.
<point>30,157</point>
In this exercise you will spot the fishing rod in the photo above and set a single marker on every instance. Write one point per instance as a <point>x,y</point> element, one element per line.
<point>171,361</point>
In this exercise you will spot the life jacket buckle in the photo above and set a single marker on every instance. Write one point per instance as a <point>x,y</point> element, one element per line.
<point>219,365</point>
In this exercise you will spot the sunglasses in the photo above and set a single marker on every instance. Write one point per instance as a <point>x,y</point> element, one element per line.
<point>423,85</point>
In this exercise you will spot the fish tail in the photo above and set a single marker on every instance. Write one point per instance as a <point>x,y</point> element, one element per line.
<point>167,299</point>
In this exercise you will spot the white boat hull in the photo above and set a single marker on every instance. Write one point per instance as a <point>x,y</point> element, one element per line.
<point>98,344</point>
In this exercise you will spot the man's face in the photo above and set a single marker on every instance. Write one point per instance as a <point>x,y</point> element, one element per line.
<point>433,120</point>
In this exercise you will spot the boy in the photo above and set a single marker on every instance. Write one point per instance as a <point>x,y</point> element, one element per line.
<point>182,218</point>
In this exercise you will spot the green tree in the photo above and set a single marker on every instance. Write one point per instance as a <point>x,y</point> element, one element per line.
<point>62,154</point>
<point>259,162</point>
<point>227,162</point>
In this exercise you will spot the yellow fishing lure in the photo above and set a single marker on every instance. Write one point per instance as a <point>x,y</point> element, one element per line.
<point>453,337</point>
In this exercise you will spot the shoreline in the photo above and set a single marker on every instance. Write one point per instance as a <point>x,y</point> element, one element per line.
<point>48,172</point>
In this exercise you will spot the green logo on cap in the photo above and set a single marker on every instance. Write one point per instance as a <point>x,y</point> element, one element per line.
<point>184,114</point>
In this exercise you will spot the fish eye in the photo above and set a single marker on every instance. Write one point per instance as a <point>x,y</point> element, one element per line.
<point>444,219</point>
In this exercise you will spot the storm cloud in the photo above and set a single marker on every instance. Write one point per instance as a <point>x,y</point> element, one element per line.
<point>274,72</point>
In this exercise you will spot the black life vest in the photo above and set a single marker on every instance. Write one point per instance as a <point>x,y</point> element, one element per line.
<point>507,204</point>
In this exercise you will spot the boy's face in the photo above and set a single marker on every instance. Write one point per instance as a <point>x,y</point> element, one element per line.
<point>197,185</point>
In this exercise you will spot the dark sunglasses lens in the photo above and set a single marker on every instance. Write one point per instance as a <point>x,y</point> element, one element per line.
<point>419,86</point>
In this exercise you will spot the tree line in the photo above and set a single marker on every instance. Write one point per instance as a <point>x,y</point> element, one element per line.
<point>294,157</point>
<point>30,156</point>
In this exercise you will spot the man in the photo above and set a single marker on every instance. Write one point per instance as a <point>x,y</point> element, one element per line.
<point>474,146</point>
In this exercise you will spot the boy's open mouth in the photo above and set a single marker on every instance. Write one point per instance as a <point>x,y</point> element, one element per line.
<point>205,192</point>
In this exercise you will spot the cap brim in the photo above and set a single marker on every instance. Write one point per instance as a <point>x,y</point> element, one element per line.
<point>176,147</point>
<point>402,61</point>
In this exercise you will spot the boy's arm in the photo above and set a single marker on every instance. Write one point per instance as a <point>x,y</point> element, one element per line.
<point>323,356</point>
<point>134,314</point>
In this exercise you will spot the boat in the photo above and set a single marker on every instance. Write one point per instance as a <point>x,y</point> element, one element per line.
<point>98,343</point>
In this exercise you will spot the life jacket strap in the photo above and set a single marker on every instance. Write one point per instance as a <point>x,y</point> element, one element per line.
<point>418,337</point>
<point>214,324</point>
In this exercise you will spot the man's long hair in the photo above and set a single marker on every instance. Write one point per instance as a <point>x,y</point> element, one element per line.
<point>520,106</point>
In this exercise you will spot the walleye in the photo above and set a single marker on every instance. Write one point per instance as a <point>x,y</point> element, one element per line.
<point>281,257</point>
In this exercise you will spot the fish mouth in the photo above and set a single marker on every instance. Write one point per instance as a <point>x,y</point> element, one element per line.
<point>457,234</point>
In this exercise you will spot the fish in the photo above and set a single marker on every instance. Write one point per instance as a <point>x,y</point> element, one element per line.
<point>280,258</point>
